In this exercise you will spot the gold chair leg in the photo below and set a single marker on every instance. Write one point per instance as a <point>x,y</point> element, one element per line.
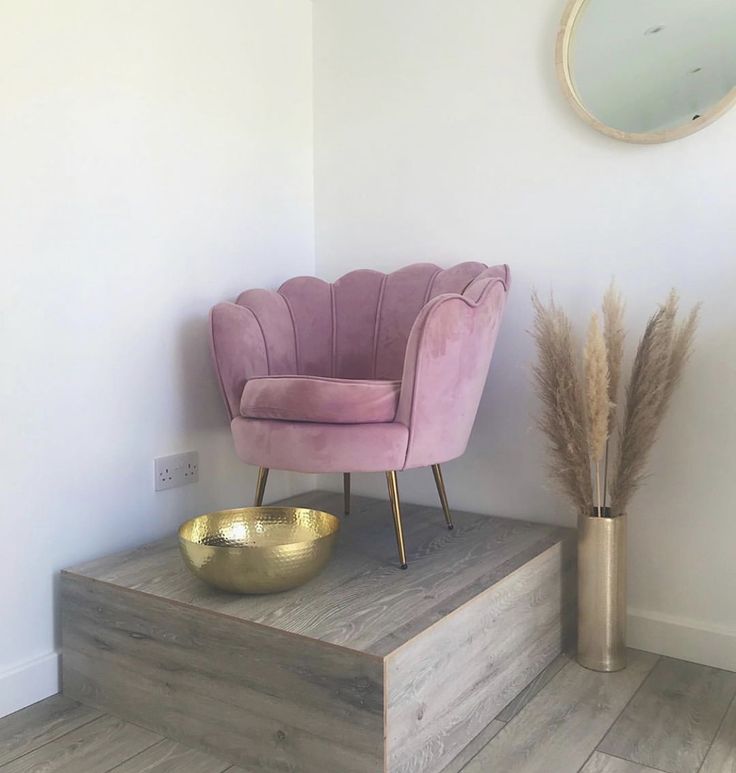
<point>393,493</point>
<point>346,491</point>
<point>260,486</point>
<point>443,495</point>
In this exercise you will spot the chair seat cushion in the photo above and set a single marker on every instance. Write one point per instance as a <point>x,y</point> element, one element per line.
<point>318,399</point>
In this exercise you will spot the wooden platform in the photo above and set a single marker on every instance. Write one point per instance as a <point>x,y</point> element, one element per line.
<point>365,669</point>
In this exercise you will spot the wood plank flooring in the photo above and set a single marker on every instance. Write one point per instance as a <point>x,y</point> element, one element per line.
<point>171,757</point>
<point>672,721</point>
<point>604,763</point>
<point>467,754</point>
<point>35,726</point>
<point>563,724</point>
<point>539,681</point>
<point>721,757</point>
<point>101,744</point>
<point>59,735</point>
<point>567,720</point>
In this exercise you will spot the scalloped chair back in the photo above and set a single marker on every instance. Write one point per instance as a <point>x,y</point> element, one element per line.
<point>423,334</point>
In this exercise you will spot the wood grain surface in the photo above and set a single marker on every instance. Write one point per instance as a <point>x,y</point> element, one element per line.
<point>721,757</point>
<point>445,685</point>
<point>51,720</point>
<point>362,600</point>
<point>171,757</point>
<point>604,763</point>
<point>467,754</point>
<point>540,680</point>
<point>258,697</point>
<point>96,747</point>
<point>40,723</point>
<point>673,719</point>
<point>363,669</point>
<point>562,725</point>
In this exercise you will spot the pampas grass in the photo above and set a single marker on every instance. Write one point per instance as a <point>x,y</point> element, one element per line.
<point>615,335</point>
<point>563,418</point>
<point>682,346</point>
<point>658,365</point>
<point>597,404</point>
<point>580,418</point>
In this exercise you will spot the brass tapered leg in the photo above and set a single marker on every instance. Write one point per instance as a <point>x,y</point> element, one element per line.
<point>346,491</point>
<point>393,492</point>
<point>443,495</point>
<point>260,486</point>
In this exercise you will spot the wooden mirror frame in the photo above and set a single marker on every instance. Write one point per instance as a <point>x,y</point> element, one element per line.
<point>562,55</point>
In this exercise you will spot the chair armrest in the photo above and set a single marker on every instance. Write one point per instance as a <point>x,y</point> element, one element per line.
<point>445,367</point>
<point>238,350</point>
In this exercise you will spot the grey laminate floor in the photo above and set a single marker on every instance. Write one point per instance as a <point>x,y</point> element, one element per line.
<point>659,714</point>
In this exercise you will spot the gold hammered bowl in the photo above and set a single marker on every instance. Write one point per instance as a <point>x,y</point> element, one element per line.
<point>258,549</point>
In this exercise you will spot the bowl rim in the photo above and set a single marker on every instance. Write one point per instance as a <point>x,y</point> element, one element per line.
<point>337,525</point>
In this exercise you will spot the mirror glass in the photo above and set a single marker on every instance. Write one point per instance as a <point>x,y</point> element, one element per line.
<point>644,66</point>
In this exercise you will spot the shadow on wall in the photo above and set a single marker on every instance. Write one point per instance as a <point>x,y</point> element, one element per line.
<point>203,424</point>
<point>56,595</point>
<point>197,390</point>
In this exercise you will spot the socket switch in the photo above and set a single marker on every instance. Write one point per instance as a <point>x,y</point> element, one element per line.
<point>175,470</point>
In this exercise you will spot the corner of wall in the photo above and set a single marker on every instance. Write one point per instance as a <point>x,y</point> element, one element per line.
<point>29,682</point>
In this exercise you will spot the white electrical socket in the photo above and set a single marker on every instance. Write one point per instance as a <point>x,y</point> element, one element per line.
<point>175,470</point>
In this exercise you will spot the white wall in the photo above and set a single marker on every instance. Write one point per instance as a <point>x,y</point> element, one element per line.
<point>441,134</point>
<point>155,158</point>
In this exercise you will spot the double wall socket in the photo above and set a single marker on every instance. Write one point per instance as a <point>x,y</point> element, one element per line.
<point>175,470</point>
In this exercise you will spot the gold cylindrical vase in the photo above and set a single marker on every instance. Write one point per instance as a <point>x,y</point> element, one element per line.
<point>602,593</point>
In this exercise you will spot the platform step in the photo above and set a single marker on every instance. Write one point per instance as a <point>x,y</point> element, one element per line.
<point>364,669</point>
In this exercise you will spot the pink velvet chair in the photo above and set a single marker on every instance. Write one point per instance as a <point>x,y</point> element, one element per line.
<point>373,373</point>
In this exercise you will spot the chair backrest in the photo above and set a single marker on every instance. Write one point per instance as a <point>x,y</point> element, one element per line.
<point>358,326</point>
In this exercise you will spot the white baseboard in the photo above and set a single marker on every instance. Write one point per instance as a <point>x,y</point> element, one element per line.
<point>679,637</point>
<point>29,683</point>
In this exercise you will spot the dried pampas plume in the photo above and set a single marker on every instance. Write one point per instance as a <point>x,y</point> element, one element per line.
<point>596,388</point>
<point>562,417</point>
<point>613,331</point>
<point>682,345</point>
<point>578,418</point>
<point>596,398</point>
<point>660,358</point>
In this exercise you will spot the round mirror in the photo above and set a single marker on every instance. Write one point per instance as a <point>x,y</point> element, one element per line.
<point>648,70</point>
